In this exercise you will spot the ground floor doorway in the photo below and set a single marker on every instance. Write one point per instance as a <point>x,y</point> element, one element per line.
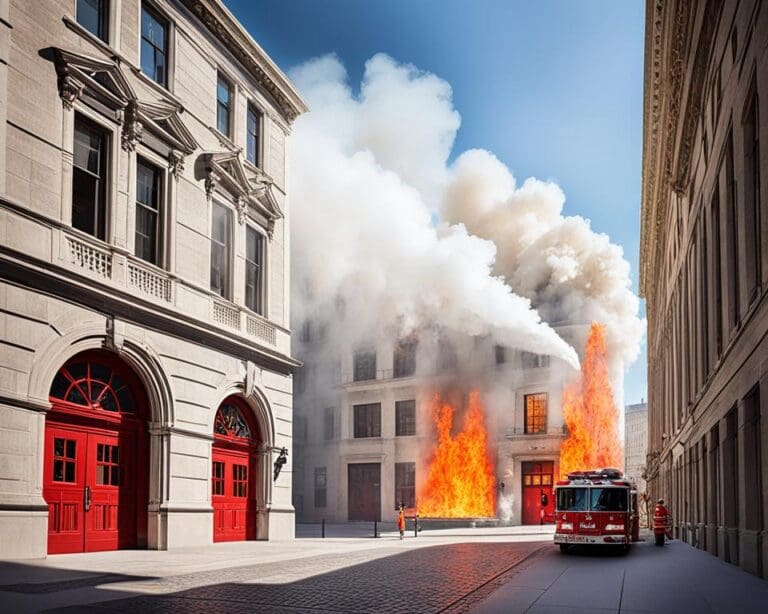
<point>364,492</point>
<point>538,496</point>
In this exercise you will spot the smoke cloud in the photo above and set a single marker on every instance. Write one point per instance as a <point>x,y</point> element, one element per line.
<point>369,175</point>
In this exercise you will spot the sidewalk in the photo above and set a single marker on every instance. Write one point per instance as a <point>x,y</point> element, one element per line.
<point>674,579</point>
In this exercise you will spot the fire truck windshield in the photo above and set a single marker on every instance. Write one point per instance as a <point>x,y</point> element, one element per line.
<point>572,499</point>
<point>608,499</point>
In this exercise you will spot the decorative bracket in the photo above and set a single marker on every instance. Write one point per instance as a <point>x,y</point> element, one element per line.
<point>176,163</point>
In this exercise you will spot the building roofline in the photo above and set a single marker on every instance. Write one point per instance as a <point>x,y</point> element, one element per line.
<point>231,33</point>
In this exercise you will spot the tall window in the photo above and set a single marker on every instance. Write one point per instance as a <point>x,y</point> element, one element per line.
<point>89,180</point>
<point>329,423</point>
<point>367,420</point>
<point>500,354</point>
<point>405,484</point>
<point>154,46</point>
<point>93,15</point>
<point>536,413</point>
<point>223,105</point>
<point>404,358</point>
<point>365,365</point>
<point>253,124</point>
<point>149,185</point>
<point>752,220</point>
<point>220,239</point>
<point>731,227</point>
<point>254,270</point>
<point>405,418</point>
<point>321,480</point>
<point>717,290</point>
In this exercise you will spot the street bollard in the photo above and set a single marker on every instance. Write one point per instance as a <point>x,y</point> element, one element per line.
<point>375,529</point>
<point>323,524</point>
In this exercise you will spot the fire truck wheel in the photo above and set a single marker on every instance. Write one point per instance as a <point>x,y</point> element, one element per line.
<point>660,539</point>
<point>564,548</point>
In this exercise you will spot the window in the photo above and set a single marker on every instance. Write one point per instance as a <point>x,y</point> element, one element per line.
<point>535,361</point>
<point>107,465</point>
<point>329,423</point>
<point>447,359</point>
<point>89,179</point>
<point>253,131</point>
<point>750,126</point>
<point>154,46</point>
<point>217,478</point>
<point>64,460</point>
<point>535,413</point>
<point>149,185</point>
<point>717,304</point>
<point>608,499</point>
<point>220,238</point>
<point>240,481</point>
<point>500,354</point>
<point>321,478</point>
<point>404,359</point>
<point>367,420</point>
<point>223,105</point>
<point>732,237</point>
<point>254,270</point>
<point>93,385</point>
<point>93,15</point>
<point>572,499</point>
<point>405,418</point>
<point>405,484</point>
<point>365,365</point>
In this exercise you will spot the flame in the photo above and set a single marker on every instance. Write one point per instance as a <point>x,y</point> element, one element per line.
<point>460,481</point>
<point>590,413</point>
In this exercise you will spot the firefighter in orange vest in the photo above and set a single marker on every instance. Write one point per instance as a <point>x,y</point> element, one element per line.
<point>662,525</point>
<point>401,520</point>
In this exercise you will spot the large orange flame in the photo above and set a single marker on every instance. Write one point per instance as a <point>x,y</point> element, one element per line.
<point>590,413</point>
<point>460,482</point>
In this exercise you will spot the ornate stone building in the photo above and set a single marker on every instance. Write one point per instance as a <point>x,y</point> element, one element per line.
<point>145,364</point>
<point>636,442</point>
<point>365,432</point>
<point>704,271</point>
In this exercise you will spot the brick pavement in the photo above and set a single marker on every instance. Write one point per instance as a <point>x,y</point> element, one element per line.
<point>429,579</point>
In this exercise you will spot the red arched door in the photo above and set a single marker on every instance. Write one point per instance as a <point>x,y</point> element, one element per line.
<point>233,472</point>
<point>95,470</point>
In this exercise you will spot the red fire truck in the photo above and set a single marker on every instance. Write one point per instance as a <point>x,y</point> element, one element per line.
<point>596,507</point>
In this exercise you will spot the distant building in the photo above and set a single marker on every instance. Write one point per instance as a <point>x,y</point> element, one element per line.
<point>636,442</point>
<point>704,271</point>
<point>145,357</point>
<point>363,443</point>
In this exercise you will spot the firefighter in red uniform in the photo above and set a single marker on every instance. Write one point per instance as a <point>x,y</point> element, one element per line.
<point>662,525</point>
<point>401,520</point>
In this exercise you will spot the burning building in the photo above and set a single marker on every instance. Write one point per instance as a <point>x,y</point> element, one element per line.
<point>461,429</point>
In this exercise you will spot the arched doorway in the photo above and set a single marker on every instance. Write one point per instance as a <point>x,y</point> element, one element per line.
<point>233,472</point>
<point>95,458</point>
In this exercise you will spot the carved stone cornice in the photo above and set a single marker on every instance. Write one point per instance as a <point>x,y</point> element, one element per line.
<point>132,127</point>
<point>176,163</point>
<point>671,109</point>
<point>236,39</point>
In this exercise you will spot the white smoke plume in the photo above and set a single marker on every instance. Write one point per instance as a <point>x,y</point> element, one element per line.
<point>369,171</point>
<point>567,270</point>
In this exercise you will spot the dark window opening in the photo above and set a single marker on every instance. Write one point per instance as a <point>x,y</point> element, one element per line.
<point>405,485</point>
<point>89,179</point>
<point>254,271</point>
<point>154,46</point>
<point>149,185</point>
<point>321,478</point>
<point>404,359</point>
<point>367,420</point>
<point>93,15</point>
<point>220,239</point>
<point>223,105</point>
<point>253,131</point>
<point>405,418</point>
<point>365,365</point>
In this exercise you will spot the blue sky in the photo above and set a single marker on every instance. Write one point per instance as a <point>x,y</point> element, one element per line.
<point>552,88</point>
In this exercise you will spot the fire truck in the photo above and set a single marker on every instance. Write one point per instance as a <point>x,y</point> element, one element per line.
<point>596,507</point>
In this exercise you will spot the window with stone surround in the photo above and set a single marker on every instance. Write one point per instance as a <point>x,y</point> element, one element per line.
<point>254,270</point>
<point>405,418</point>
<point>93,15</point>
<point>149,211</point>
<point>223,105</point>
<point>535,413</point>
<point>404,358</point>
<point>364,365</point>
<point>405,485</point>
<point>154,45</point>
<point>253,135</point>
<point>221,237</point>
<point>89,178</point>
<point>752,221</point>
<point>367,420</point>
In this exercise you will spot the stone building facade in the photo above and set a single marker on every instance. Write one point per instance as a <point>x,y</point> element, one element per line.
<point>145,358</point>
<point>636,443</point>
<point>365,430</point>
<point>704,271</point>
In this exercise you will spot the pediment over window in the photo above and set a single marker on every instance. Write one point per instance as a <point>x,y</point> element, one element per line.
<point>101,81</point>
<point>162,118</point>
<point>224,171</point>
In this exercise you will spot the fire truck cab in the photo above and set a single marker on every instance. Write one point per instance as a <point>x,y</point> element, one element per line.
<point>596,507</point>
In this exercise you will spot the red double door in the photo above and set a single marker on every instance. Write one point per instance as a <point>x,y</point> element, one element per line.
<point>538,495</point>
<point>90,484</point>
<point>233,493</point>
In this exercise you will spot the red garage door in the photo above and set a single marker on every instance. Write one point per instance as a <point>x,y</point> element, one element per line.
<point>95,471</point>
<point>233,472</point>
